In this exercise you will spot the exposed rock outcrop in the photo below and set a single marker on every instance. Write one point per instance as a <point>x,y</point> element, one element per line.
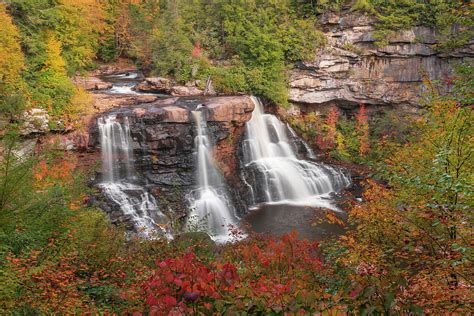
<point>353,70</point>
<point>167,86</point>
<point>35,121</point>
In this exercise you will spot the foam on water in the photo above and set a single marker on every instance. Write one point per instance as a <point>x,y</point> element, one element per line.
<point>274,171</point>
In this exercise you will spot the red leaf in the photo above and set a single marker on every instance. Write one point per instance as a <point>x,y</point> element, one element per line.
<point>170,300</point>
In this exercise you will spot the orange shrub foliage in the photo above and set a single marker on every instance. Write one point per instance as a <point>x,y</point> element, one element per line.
<point>55,171</point>
<point>362,128</point>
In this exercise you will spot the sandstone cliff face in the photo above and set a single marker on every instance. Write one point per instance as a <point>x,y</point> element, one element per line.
<point>353,70</point>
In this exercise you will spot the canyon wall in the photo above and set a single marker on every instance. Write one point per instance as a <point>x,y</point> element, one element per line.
<point>351,69</point>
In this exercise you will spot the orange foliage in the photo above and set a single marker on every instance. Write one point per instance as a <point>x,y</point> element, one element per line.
<point>56,171</point>
<point>362,128</point>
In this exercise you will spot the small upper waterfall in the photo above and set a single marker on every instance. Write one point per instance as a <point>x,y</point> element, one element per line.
<point>274,171</point>
<point>211,208</point>
<point>117,175</point>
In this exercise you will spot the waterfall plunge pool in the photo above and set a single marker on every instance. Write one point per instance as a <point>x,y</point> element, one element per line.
<point>308,222</point>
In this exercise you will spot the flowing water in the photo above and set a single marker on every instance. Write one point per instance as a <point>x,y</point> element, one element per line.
<point>123,88</point>
<point>124,83</point>
<point>212,210</point>
<point>276,174</point>
<point>117,177</point>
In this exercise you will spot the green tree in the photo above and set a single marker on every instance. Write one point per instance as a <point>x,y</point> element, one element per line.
<point>53,89</point>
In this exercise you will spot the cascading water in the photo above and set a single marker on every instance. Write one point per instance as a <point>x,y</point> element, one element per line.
<point>115,146</point>
<point>123,89</point>
<point>309,152</point>
<point>212,210</point>
<point>275,173</point>
<point>117,173</point>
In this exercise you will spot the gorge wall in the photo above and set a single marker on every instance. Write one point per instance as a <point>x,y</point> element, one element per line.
<point>351,69</point>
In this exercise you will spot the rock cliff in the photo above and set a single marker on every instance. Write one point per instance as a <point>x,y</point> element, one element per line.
<point>351,69</point>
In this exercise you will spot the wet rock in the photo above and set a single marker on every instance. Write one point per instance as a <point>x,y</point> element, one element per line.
<point>92,83</point>
<point>162,138</point>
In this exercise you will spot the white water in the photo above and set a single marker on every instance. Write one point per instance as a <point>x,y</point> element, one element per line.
<point>211,208</point>
<point>117,169</point>
<point>115,145</point>
<point>123,89</point>
<point>128,75</point>
<point>309,151</point>
<point>275,172</point>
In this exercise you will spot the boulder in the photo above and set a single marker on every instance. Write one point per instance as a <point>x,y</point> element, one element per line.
<point>105,102</point>
<point>175,114</point>
<point>92,83</point>
<point>164,85</point>
<point>230,109</point>
<point>155,84</point>
<point>186,91</point>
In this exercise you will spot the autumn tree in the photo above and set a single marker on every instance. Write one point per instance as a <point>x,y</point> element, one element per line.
<point>53,89</point>
<point>12,85</point>
<point>362,128</point>
<point>411,247</point>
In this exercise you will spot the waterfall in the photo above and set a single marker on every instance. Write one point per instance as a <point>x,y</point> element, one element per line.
<point>274,171</point>
<point>309,152</point>
<point>117,173</point>
<point>115,145</point>
<point>212,210</point>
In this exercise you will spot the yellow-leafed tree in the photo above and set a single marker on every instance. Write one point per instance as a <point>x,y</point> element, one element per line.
<point>12,85</point>
<point>53,88</point>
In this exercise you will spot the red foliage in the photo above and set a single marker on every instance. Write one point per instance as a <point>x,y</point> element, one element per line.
<point>362,128</point>
<point>185,280</point>
<point>266,272</point>
<point>327,140</point>
<point>56,171</point>
<point>197,51</point>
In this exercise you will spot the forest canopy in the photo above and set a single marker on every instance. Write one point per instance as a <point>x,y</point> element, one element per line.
<point>244,46</point>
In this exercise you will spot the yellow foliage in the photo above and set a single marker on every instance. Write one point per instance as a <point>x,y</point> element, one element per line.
<point>54,61</point>
<point>79,105</point>
<point>88,21</point>
<point>11,56</point>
